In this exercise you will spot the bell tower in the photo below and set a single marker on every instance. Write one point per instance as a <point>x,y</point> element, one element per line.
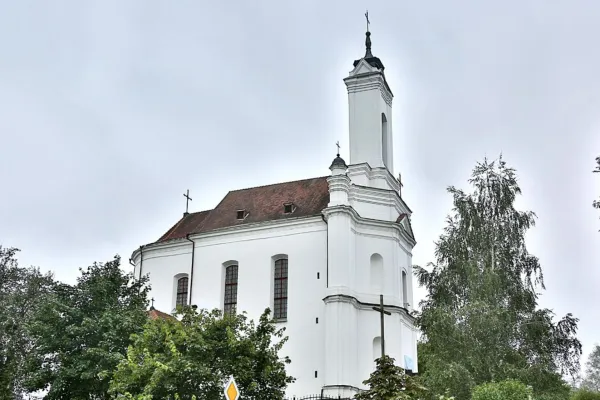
<point>370,112</point>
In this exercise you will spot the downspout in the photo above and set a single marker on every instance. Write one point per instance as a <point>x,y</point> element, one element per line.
<point>141,260</point>
<point>192,267</point>
<point>327,250</point>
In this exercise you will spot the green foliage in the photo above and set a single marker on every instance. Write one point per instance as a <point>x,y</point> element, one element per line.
<point>505,390</point>
<point>22,291</point>
<point>82,332</point>
<point>591,380</point>
<point>585,394</point>
<point>480,320</point>
<point>195,356</point>
<point>389,382</point>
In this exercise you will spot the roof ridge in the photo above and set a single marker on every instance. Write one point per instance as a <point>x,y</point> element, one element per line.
<point>280,183</point>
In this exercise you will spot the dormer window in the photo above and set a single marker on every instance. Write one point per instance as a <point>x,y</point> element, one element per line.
<point>288,208</point>
<point>241,214</point>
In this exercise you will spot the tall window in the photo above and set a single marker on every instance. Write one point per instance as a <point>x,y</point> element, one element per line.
<point>281,289</point>
<point>182,291</point>
<point>231,287</point>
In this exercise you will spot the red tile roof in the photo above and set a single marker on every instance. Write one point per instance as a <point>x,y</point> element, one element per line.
<point>188,224</point>
<point>154,314</point>
<point>261,204</point>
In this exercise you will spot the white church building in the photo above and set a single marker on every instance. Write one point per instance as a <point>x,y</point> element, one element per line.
<point>319,252</point>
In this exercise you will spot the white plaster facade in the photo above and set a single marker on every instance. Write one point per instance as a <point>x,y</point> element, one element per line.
<point>339,262</point>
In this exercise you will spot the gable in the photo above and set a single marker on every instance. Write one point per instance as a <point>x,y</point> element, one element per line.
<point>362,67</point>
<point>404,221</point>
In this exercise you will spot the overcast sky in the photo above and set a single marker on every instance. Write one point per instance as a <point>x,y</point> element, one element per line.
<point>110,110</point>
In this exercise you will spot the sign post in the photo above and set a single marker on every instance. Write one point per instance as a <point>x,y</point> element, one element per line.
<point>231,390</point>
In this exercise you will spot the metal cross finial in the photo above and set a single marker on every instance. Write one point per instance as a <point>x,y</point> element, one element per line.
<point>382,311</point>
<point>152,299</point>
<point>187,201</point>
<point>368,22</point>
<point>338,146</point>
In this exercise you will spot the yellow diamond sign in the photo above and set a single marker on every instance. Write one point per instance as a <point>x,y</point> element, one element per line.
<point>231,391</point>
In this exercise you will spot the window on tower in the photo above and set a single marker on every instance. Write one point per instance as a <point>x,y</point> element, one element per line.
<point>404,290</point>
<point>182,291</point>
<point>384,140</point>
<point>231,288</point>
<point>280,292</point>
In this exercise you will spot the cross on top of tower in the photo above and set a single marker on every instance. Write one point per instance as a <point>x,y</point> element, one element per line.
<point>368,53</point>
<point>338,147</point>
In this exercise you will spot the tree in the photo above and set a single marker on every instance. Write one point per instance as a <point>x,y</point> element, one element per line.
<point>480,320</point>
<point>585,394</point>
<point>591,380</point>
<point>506,390</point>
<point>84,330</point>
<point>195,356</point>
<point>22,291</point>
<point>389,382</point>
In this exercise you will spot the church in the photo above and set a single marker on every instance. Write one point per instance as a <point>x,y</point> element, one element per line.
<point>321,253</point>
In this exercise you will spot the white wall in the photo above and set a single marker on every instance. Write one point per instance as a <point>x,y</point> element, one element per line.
<point>361,252</point>
<point>304,244</point>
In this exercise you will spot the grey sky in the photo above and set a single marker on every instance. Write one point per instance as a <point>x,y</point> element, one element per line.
<point>110,110</point>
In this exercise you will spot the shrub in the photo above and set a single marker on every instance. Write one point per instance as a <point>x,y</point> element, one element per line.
<point>584,394</point>
<point>505,390</point>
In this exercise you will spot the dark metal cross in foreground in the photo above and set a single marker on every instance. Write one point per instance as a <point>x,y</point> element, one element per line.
<point>382,311</point>
<point>187,201</point>
<point>368,22</point>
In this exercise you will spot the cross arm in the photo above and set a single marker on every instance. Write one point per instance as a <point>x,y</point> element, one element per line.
<point>378,309</point>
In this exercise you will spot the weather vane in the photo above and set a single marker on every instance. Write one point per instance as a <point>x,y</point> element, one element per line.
<point>368,22</point>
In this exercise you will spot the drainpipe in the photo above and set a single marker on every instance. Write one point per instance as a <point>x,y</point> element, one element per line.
<point>327,255</point>
<point>192,267</point>
<point>141,260</point>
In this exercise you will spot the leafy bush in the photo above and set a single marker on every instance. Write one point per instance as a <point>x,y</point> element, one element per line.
<point>505,390</point>
<point>584,394</point>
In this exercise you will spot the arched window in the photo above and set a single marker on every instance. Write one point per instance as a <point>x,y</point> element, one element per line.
<point>182,292</point>
<point>404,290</point>
<point>231,286</point>
<point>280,292</point>
<point>376,273</point>
<point>384,139</point>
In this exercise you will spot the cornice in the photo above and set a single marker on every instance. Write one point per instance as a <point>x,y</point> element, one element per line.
<point>369,81</point>
<point>374,173</point>
<point>373,195</point>
<point>339,182</point>
<point>359,305</point>
<point>371,223</point>
<point>236,229</point>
